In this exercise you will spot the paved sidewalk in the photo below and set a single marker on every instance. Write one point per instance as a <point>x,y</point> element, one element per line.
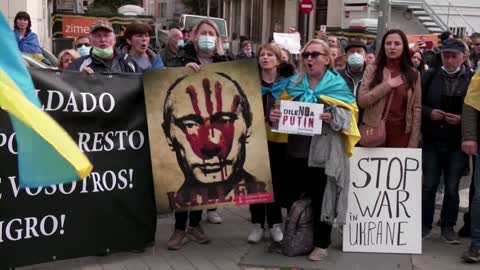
<point>230,250</point>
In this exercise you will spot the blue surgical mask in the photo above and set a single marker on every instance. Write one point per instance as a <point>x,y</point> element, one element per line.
<point>84,50</point>
<point>451,73</point>
<point>356,60</point>
<point>226,46</point>
<point>207,43</point>
<point>180,43</point>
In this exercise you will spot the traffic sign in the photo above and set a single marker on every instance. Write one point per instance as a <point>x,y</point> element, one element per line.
<point>306,6</point>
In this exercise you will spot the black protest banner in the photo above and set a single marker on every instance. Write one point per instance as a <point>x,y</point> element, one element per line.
<point>384,201</point>
<point>113,209</point>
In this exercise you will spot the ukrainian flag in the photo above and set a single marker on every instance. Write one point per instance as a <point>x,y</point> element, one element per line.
<point>332,90</point>
<point>473,94</point>
<point>46,153</point>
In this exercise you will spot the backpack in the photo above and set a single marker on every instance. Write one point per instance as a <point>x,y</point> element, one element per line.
<point>298,232</point>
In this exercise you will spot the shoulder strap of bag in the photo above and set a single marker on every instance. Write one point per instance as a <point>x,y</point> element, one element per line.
<point>385,114</point>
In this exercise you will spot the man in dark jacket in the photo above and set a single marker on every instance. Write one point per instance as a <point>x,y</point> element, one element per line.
<point>475,53</point>
<point>174,43</point>
<point>443,92</point>
<point>353,73</point>
<point>103,57</point>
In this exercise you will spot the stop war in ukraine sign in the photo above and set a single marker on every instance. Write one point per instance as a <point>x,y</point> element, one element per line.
<point>300,118</point>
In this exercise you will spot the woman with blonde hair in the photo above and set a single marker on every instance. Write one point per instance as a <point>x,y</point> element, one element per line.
<point>390,93</point>
<point>273,84</point>
<point>319,164</point>
<point>66,57</point>
<point>204,47</point>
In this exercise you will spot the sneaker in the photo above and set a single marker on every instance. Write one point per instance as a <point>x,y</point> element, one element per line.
<point>138,250</point>
<point>464,231</point>
<point>449,235</point>
<point>472,255</point>
<point>213,217</point>
<point>276,233</point>
<point>198,235</point>
<point>177,239</point>
<point>256,234</point>
<point>426,232</point>
<point>318,254</point>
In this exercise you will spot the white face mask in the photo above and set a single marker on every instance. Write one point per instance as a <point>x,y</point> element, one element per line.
<point>180,43</point>
<point>207,43</point>
<point>451,73</point>
<point>356,60</point>
<point>84,50</point>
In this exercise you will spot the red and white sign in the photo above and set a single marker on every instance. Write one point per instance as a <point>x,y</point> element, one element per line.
<point>75,26</point>
<point>300,118</point>
<point>306,6</point>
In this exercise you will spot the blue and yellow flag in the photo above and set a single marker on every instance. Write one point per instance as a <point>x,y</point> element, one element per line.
<point>46,153</point>
<point>473,94</point>
<point>332,90</point>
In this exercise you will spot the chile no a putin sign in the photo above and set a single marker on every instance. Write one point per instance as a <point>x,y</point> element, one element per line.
<point>306,6</point>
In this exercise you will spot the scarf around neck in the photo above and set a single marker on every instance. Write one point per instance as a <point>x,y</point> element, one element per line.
<point>332,85</point>
<point>277,87</point>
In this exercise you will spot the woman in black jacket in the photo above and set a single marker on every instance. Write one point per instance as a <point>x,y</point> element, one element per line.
<point>204,47</point>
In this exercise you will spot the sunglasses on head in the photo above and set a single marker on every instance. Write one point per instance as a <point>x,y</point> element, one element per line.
<point>314,54</point>
<point>81,44</point>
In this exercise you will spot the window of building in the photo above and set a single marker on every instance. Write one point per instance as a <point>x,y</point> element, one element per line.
<point>458,31</point>
<point>256,28</point>
<point>162,10</point>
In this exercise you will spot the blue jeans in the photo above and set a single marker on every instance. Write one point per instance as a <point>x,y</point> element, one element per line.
<point>475,206</point>
<point>449,159</point>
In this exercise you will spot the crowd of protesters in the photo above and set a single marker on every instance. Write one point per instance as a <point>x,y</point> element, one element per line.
<point>420,94</point>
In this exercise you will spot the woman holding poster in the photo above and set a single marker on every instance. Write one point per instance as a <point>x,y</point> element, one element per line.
<point>204,47</point>
<point>391,96</point>
<point>325,156</point>
<point>273,85</point>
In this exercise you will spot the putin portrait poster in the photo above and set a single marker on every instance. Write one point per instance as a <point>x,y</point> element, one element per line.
<point>207,136</point>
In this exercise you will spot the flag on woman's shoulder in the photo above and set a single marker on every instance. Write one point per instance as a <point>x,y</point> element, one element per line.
<point>46,153</point>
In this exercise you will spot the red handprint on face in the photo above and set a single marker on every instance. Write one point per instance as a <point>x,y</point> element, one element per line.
<point>211,134</point>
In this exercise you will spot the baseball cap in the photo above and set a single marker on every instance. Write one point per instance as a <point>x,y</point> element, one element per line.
<point>355,43</point>
<point>100,24</point>
<point>453,45</point>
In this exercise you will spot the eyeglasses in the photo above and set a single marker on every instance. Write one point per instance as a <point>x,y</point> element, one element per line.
<point>83,44</point>
<point>314,54</point>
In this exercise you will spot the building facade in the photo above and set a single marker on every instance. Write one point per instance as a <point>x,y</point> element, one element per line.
<point>257,20</point>
<point>165,12</point>
<point>39,14</point>
<point>415,16</point>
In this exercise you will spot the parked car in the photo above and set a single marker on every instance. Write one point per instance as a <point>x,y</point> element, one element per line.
<point>32,62</point>
<point>50,57</point>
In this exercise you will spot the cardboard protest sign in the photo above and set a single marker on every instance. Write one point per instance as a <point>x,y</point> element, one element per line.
<point>385,201</point>
<point>208,136</point>
<point>300,118</point>
<point>289,41</point>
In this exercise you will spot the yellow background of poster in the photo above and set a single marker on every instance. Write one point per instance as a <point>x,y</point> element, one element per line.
<point>167,174</point>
